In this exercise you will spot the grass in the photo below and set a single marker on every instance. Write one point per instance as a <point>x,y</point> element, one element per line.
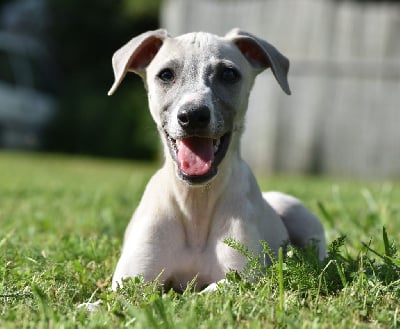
<point>62,221</point>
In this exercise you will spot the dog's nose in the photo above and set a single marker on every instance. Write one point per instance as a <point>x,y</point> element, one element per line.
<point>194,117</point>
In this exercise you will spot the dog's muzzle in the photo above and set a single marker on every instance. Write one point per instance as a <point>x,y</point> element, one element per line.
<point>198,152</point>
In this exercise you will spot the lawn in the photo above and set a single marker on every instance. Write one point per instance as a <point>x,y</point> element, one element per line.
<point>62,221</point>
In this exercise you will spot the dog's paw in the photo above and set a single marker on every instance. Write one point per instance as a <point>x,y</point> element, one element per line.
<point>213,286</point>
<point>91,307</point>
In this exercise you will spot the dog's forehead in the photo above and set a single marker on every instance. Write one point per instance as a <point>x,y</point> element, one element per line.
<point>200,44</point>
<point>201,40</point>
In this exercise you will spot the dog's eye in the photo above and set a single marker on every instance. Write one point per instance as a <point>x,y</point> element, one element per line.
<point>166,75</point>
<point>230,74</point>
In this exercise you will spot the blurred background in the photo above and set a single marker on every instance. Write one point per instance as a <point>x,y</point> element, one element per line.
<point>343,117</point>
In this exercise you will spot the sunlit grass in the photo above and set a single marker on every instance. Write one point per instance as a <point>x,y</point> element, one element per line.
<point>62,221</point>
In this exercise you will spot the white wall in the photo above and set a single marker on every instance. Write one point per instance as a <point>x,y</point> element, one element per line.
<point>344,115</point>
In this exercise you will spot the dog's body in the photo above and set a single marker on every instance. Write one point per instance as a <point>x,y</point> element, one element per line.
<point>198,86</point>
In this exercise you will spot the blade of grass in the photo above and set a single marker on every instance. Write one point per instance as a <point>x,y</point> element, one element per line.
<point>281,287</point>
<point>386,242</point>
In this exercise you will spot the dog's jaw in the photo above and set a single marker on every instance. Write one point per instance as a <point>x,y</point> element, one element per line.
<point>209,168</point>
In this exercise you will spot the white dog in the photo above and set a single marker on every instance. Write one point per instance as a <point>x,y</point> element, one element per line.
<point>198,87</point>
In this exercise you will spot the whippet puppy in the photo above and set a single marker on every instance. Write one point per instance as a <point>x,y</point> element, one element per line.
<point>198,87</point>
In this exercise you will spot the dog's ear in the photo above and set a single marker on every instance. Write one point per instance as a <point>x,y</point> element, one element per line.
<point>136,55</point>
<point>262,55</point>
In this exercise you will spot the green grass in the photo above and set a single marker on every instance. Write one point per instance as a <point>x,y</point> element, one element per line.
<point>62,221</point>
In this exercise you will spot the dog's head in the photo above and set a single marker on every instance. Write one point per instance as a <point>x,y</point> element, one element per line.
<point>198,86</point>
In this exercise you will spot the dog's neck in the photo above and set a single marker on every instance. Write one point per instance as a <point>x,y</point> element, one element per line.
<point>197,204</point>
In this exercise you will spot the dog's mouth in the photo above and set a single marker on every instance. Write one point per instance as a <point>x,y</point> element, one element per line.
<point>197,157</point>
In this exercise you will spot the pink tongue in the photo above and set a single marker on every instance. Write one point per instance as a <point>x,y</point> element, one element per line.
<point>195,155</point>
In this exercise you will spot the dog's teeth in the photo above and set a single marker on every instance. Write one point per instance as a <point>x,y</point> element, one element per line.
<point>216,145</point>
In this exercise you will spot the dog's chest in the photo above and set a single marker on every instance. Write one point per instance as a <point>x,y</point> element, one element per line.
<point>202,267</point>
